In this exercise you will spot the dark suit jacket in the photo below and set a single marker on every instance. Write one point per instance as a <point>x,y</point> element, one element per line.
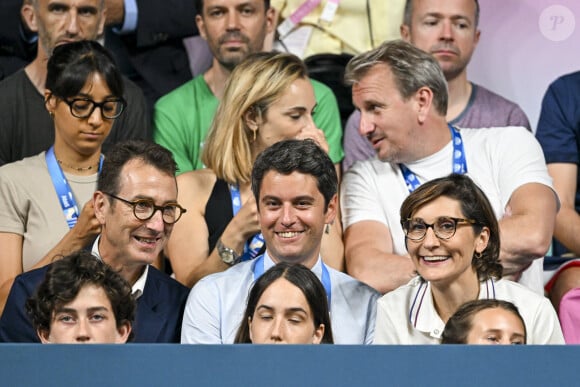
<point>15,51</point>
<point>154,56</point>
<point>158,317</point>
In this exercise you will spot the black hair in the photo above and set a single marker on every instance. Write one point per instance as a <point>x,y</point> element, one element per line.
<point>304,279</point>
<point>121,153</point>
<point>64,280</point>
<point>72,64</point>
<point>303,156</point>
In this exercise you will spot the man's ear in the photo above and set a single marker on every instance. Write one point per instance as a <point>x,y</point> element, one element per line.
<point>123,332</point>
<point>424,102</point>
<point>332,210</point>
<point>271,19</point>
<point>102,22</point>
<point>405,31</point>
<point>101,205</point>
<point>44,335</point>
<point>29,16</point>
<point>476,37</point>
<point>200,26</point>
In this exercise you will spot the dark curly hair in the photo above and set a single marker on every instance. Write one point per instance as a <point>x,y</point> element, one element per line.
<point>63,282</point>
<point>474,205</point>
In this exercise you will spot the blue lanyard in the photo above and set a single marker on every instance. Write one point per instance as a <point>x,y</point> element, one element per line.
<point>62,188</point>
<point>458,159</point>
<point>253,246</point>
<point>259,270</point>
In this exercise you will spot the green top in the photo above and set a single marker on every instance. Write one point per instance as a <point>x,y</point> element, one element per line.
<point>182,119</point>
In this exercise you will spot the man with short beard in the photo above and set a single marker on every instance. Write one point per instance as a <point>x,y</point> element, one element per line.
<point>26,128</point>
<point>447,30</point>
<point>233,30</point>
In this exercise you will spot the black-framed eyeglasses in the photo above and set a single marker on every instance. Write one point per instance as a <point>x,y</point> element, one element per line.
<point>84,107</point>
<point>144,209</point>
<point>444,227</point>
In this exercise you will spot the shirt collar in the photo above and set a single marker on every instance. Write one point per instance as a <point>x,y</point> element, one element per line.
<point>422,313</point>
<point>316,269</point>
<point>139,286</point>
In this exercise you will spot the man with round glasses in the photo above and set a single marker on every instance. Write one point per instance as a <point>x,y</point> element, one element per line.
<point>136,205</point>
<point>144,209</point>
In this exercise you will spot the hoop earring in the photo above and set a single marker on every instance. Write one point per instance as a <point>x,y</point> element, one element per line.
<point>477,255</point>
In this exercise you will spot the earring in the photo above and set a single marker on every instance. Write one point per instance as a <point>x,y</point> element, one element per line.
<point>477,255</point>
<point>327,228</point>
<point>254,131</point>
<point>51,114</point>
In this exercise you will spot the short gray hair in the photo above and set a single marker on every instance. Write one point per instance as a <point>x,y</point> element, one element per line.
<point>409,12</point>
<point>412,69</point>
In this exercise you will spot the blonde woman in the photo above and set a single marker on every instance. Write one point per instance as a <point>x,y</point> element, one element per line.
<point>268,98</point>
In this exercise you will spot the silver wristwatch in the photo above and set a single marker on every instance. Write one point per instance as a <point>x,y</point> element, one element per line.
<point>228,256</point>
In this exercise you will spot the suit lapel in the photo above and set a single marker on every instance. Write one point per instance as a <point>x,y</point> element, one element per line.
<point>150,320</point>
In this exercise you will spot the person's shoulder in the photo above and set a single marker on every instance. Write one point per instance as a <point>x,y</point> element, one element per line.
<point>351,285</point>
<point>492,98</point>
<point>320,87</point>
<point>476,135</point>
<point>567,79</point>
<point>22,169</point>
<point>520,295</point>
<point>13,80</point>
<point>131,88</point>
<point>518,291</point>
<point>198,178</point>
<point>372,166</point>
<point>185,92</point>
<point>30,280</point>
<point>159,278</point>
<point>565,87</point>
<point>403,292</point>
<point>234,277</point>
<point>197,185</point>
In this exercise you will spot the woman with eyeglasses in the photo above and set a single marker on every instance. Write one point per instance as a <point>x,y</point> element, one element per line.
<point>268,98</point>
<point>45,210</point>
<point>453,239</point>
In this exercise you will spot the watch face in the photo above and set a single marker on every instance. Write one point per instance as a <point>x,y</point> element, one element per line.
<point>226,254</point>
<point>227,257</point>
